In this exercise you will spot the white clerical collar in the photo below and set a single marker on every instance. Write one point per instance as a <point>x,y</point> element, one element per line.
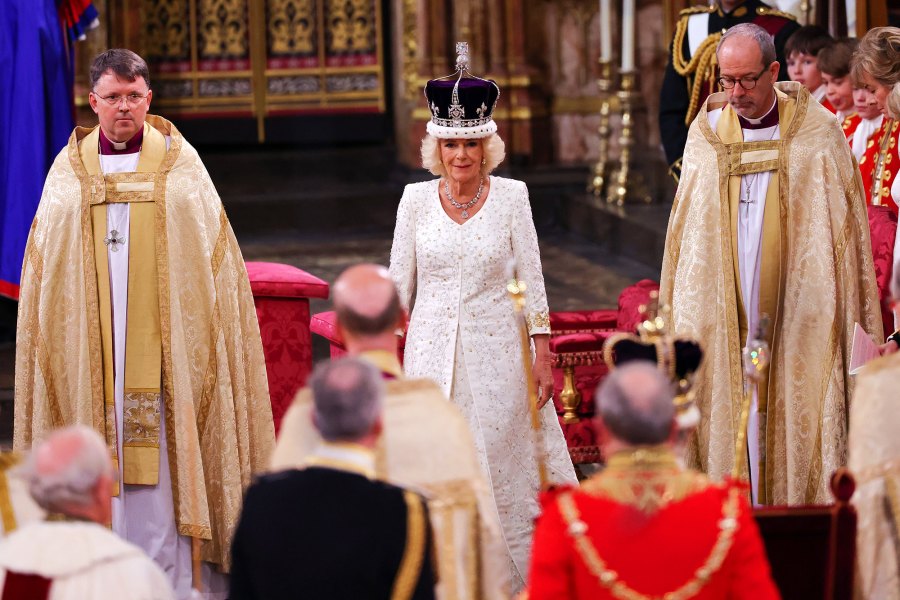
<point>343,456</point>
<point>760,120</point>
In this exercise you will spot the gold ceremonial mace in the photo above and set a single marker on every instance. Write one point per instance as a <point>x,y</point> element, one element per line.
<point>196,572</point>
<point>755,360</point>
<point>516,291</point>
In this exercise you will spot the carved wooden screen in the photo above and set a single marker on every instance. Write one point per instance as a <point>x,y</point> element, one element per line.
<point>263,57</point>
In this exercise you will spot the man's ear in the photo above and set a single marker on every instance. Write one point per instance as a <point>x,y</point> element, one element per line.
<point>773,70</point>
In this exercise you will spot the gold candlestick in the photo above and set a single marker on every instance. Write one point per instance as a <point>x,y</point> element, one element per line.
<point>627,184</point>
<point>597,184</point>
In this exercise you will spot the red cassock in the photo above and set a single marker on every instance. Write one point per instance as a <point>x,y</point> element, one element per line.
<point>646,528</point>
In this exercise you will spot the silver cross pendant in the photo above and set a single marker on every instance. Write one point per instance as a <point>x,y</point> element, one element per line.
<point>113,240</point>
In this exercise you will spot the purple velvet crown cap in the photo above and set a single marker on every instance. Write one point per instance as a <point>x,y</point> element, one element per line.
<point>461,107</point>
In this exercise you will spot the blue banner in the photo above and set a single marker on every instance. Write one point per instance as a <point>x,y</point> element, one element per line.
<point>35,120</point>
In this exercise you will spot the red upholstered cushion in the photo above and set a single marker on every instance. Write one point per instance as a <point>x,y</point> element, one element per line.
<point>630,301</point>
<point>324,324</point>
<point>582,320</point>
<point>883,229</point>
<point>579,342</point>
<point>581,439</point>
<point>278,280</point>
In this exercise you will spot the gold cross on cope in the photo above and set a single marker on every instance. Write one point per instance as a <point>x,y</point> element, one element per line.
<point>113,240</point>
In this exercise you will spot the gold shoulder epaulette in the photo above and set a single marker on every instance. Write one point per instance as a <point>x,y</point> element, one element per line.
<point>693,10</point>
<point>774,12</point>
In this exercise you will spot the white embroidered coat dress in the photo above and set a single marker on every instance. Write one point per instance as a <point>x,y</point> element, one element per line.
<point>463,335</point>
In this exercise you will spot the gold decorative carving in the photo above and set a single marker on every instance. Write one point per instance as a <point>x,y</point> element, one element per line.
<point>166,35</point>
<point>410,50</point>
<point>223,28</point>
<point>292,27</point>
<point>350,26</point>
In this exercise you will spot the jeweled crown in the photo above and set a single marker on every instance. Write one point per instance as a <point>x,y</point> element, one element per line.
<point>461,105</point>
<point>677,357</point>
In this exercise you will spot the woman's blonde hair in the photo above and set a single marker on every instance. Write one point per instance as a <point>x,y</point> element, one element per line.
<point>893,104</point>
<point>492,146</point>
<point>878,54</point>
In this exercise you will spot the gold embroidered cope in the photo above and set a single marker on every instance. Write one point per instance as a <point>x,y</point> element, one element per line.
<point>218,417</point>
<point>816,281</point>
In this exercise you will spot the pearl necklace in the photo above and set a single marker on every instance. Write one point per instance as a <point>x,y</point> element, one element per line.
<point>465,207</point>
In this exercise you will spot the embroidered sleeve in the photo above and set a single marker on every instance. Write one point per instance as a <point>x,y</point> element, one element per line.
<point>403,249</point>
<point>528,261</point>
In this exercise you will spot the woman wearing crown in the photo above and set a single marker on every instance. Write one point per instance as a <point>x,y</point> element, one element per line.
<point>454,241</point>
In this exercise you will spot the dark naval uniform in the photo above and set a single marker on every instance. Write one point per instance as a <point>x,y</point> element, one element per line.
<point>330,533</point>
<point>691,72</point>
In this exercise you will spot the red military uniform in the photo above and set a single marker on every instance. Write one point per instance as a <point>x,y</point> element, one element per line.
<point>646,527</point>
<point>881,158</point>
<point>849,125</point>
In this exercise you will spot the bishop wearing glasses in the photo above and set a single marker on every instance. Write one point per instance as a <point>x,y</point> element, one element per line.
<point>136,319</point>
<point>769,219</point>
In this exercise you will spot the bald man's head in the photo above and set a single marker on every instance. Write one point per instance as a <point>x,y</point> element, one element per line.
<point>636,403</point>
<point>366,301</point>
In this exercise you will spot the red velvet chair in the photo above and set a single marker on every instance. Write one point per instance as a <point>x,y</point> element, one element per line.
<point>576,343</point>
<point>883,229</point>
<point>281,294</point>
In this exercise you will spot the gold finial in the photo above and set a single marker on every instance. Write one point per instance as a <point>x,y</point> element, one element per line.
<point>655,323</point>
<point>756,353</point>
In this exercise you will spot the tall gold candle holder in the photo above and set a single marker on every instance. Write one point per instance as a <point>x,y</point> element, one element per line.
<point>597,184</point>
<point>626,183</point>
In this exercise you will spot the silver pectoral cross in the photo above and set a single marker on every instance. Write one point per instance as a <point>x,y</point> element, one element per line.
<point>113,240</point>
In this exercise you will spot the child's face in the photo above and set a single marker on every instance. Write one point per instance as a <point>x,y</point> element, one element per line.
<point>864,103</point>
<point>839,91</point>
<point>803,68</point>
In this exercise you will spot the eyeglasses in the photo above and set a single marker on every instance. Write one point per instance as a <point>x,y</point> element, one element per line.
<point>131,100</point>
<point>748,83</point>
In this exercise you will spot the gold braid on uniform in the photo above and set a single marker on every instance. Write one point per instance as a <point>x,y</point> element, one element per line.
<point>609,579</point>
<point>411,563</point>
<point>699,69</point>
<point>768,10</point>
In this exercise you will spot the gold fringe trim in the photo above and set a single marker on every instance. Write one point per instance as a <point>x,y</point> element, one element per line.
<point>765,10</point>
<point>411,563</point>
